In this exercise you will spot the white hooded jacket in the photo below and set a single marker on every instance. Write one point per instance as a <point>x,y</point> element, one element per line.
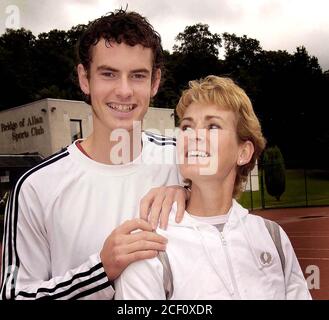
<point>241,262</point>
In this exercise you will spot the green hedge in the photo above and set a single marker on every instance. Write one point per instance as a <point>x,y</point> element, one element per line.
<point>274,172</point>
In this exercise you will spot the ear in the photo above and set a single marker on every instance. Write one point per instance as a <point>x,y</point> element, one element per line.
<point>245,153</point>
<point>83,79</point>
<point>155,82</point>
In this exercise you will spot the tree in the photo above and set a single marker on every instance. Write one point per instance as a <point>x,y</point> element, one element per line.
<point>274,95</point>
<point>274,172</point>
<point>57,48</point>
<point>168,94</point>
<point>240,51</point>
<point>304,103</point>
<point>198,40</point>
<point>196,56</point>
<point>17,68</point>
<point>242,62</point>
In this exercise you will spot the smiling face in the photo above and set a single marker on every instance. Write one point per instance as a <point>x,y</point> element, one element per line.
<point>120,84</point>
<point>209,147</point>
<point>218,102</point>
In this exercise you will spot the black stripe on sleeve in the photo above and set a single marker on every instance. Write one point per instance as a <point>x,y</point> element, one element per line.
<point>13,215</point>
<point>14,258</point>
<point>159,137</point>
<point>75,287</point>
<point>164,143</point>
<point>6,264</point>
<point>5,235</point>
<point>62,284</point>
<point>92,290</point>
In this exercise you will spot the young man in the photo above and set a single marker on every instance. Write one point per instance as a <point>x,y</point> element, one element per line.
<point>71,225</point>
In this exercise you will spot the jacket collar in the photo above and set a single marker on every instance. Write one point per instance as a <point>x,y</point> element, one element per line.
<point>237,212</point>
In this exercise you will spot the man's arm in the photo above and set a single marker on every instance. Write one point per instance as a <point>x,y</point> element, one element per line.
<point>130,242</point>
<point>27,272</point>
<point>26,266</point>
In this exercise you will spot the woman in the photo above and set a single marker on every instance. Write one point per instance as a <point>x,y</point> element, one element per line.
<point>219,250</point>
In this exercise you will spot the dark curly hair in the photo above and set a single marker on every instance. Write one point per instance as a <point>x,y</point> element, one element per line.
<point>120,26</point>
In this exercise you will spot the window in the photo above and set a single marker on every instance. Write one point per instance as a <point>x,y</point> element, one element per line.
<point>4,176</point>
<point>76,129</point>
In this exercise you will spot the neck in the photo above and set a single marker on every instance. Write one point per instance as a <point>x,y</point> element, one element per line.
<point>209,199</point>
<point>109,148</point>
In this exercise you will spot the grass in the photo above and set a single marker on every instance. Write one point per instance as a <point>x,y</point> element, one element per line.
<point>295,195</point>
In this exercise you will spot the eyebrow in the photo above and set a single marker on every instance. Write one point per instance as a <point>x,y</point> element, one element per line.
<point>142,70</point>
<point>109,68</point>
<point>206,118</point>
<point>214,117</point>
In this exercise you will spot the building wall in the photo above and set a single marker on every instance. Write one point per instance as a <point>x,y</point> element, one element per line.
<point>59,119</point>
<point>44,126</point>
<point>159,120</point>
<point>25,129</point>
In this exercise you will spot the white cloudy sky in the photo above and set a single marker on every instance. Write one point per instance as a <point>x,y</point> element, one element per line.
<point>277,24</point>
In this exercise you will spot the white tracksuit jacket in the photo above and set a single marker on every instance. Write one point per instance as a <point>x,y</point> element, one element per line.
<point>208,264</point>
<point>61,212</point>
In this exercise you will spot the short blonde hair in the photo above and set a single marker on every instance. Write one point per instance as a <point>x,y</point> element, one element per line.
<point>226,94</point>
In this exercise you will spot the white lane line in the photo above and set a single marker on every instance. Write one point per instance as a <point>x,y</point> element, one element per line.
<point>310,249</point>
<point>326,259</point>
<point>308,235</point>
<point>292,236</point>
<point>308,232</point>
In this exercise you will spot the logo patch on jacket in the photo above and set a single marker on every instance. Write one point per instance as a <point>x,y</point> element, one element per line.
<point>266,258</point>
